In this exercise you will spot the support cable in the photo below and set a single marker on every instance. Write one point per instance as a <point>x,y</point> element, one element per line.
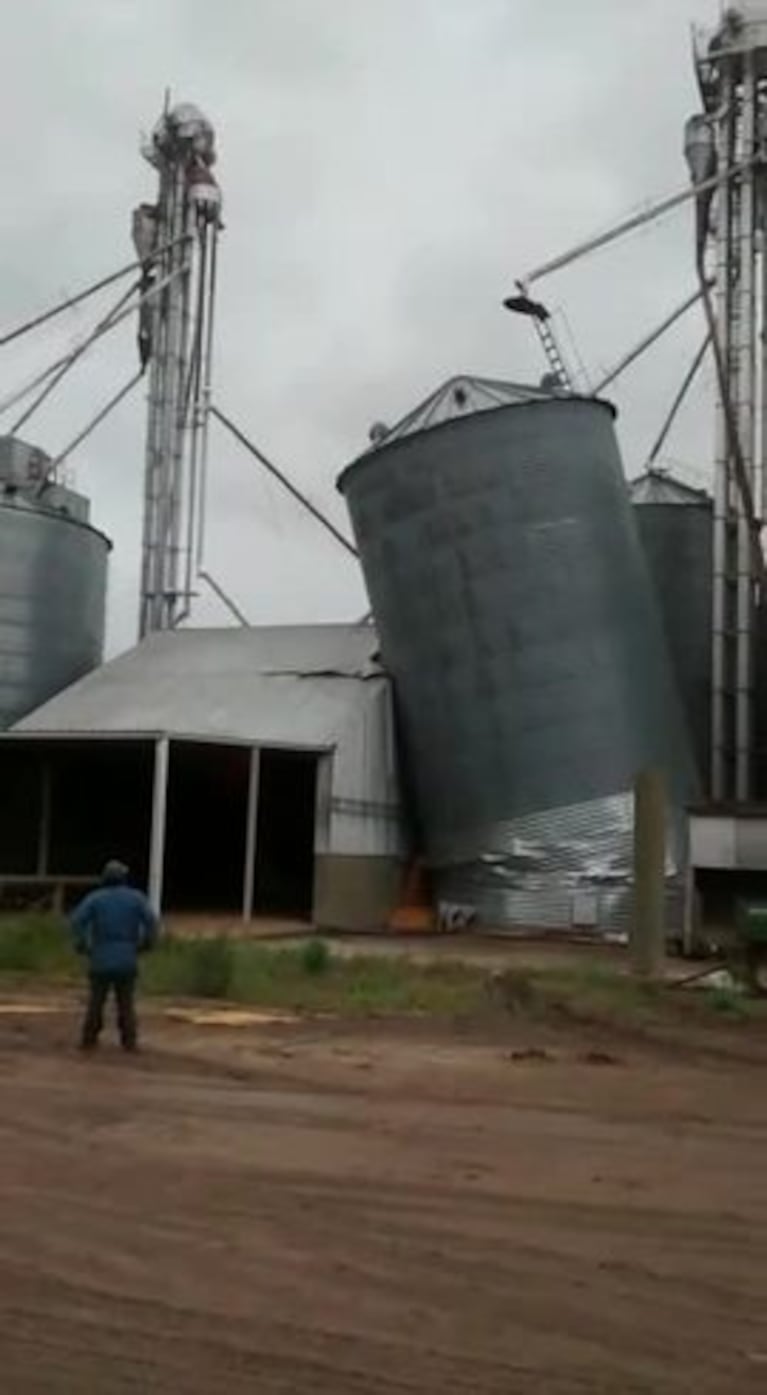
<point>71,359</point>
<point>22,392</point>
<point>77,299</point>
<point>638,220</point>
<point>225,599</point>
<point>87,430</point>
<point>285,482</point>
<point>731,424</point>
<point>115,317</point>
<point>671,416</point>
<point>647,342</point>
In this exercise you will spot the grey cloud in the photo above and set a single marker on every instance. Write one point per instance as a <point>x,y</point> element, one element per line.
<point>388,166</point>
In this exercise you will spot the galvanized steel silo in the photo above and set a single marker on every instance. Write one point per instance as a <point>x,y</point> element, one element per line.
<point>516,615</point>
<point>53,574</point>
<point>676,528</point>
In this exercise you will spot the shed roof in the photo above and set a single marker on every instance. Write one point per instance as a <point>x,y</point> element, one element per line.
<point>285,686</point>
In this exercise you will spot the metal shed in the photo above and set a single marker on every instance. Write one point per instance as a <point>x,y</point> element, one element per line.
<point>240,769</point>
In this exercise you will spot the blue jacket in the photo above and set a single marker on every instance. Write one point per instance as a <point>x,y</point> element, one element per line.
<point>112,926</point>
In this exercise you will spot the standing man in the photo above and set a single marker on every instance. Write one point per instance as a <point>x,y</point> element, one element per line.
<point>111,927</point>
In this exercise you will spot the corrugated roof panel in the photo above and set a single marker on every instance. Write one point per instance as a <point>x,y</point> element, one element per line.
<point>295,686</point>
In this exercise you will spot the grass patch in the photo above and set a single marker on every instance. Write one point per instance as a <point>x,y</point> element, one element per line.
<point>727,1002</point>
<point>588,993</point>
<point>315,956</point>
<point>310,978</point>
<point>301,978</point>
<point>599,995</point>
<point>189,969</point>
<point>36,944</point>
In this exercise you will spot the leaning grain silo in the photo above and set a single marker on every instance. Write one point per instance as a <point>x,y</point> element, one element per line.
<point>53,572</point>
<point>676,529</point>
<point>517,618</point>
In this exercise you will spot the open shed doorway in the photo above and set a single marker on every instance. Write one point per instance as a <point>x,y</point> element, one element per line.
<point>100,806</point>
<point>284,870</point>
<point>205,828</point>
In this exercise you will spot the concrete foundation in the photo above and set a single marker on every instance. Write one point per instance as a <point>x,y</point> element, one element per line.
<point>356,893</point>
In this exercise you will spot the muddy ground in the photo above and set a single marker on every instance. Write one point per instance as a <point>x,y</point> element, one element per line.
<point>289,1207</point>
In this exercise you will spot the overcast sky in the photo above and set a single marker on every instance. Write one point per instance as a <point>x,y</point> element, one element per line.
<point>389,167</point>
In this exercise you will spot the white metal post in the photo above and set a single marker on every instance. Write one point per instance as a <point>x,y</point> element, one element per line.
<point>205,401</point>
<point>732,89</point>
<point>182,150</point>
<point>159,812</point>
<point>178,336</point>
<point>323,804</point>
<point>149,578</point>
<point>151,581</point>
<point>720,726</point>
<point>745,337</point>
<point>251,835</point>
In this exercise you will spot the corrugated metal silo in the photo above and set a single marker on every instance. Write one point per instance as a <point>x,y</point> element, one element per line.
<point>53,574</point>
<point>676,528</point>
<point>517,618</point>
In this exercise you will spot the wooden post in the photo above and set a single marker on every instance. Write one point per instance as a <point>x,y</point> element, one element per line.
<point>648,929</point>
<point>690,895</point>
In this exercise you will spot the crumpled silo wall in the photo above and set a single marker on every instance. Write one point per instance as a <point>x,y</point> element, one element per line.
<point>517,617</point>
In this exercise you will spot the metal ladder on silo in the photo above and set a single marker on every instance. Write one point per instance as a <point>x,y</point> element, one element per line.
<point>554,354</point>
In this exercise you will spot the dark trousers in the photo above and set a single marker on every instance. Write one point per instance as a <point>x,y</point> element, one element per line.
<point>124,987</point>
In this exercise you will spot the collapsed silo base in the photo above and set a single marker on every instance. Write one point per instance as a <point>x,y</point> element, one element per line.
<point>563,870</point>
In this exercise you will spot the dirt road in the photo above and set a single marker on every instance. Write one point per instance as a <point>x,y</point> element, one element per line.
<point>298,1208</point>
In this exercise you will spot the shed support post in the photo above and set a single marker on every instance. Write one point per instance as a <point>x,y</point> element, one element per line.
<point>159,810</point>
<point>251,835</point>
<point>323,810</point>
<point>44,832</point>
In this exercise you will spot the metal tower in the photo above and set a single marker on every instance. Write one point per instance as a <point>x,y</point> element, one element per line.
<point>728,140</point>
<point>176,239</point>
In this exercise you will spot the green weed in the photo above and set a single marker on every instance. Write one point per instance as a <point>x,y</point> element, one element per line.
<point>190,968</point>
<point>36,944</point>
<point>728,1002</point>
<point>315,956</point>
